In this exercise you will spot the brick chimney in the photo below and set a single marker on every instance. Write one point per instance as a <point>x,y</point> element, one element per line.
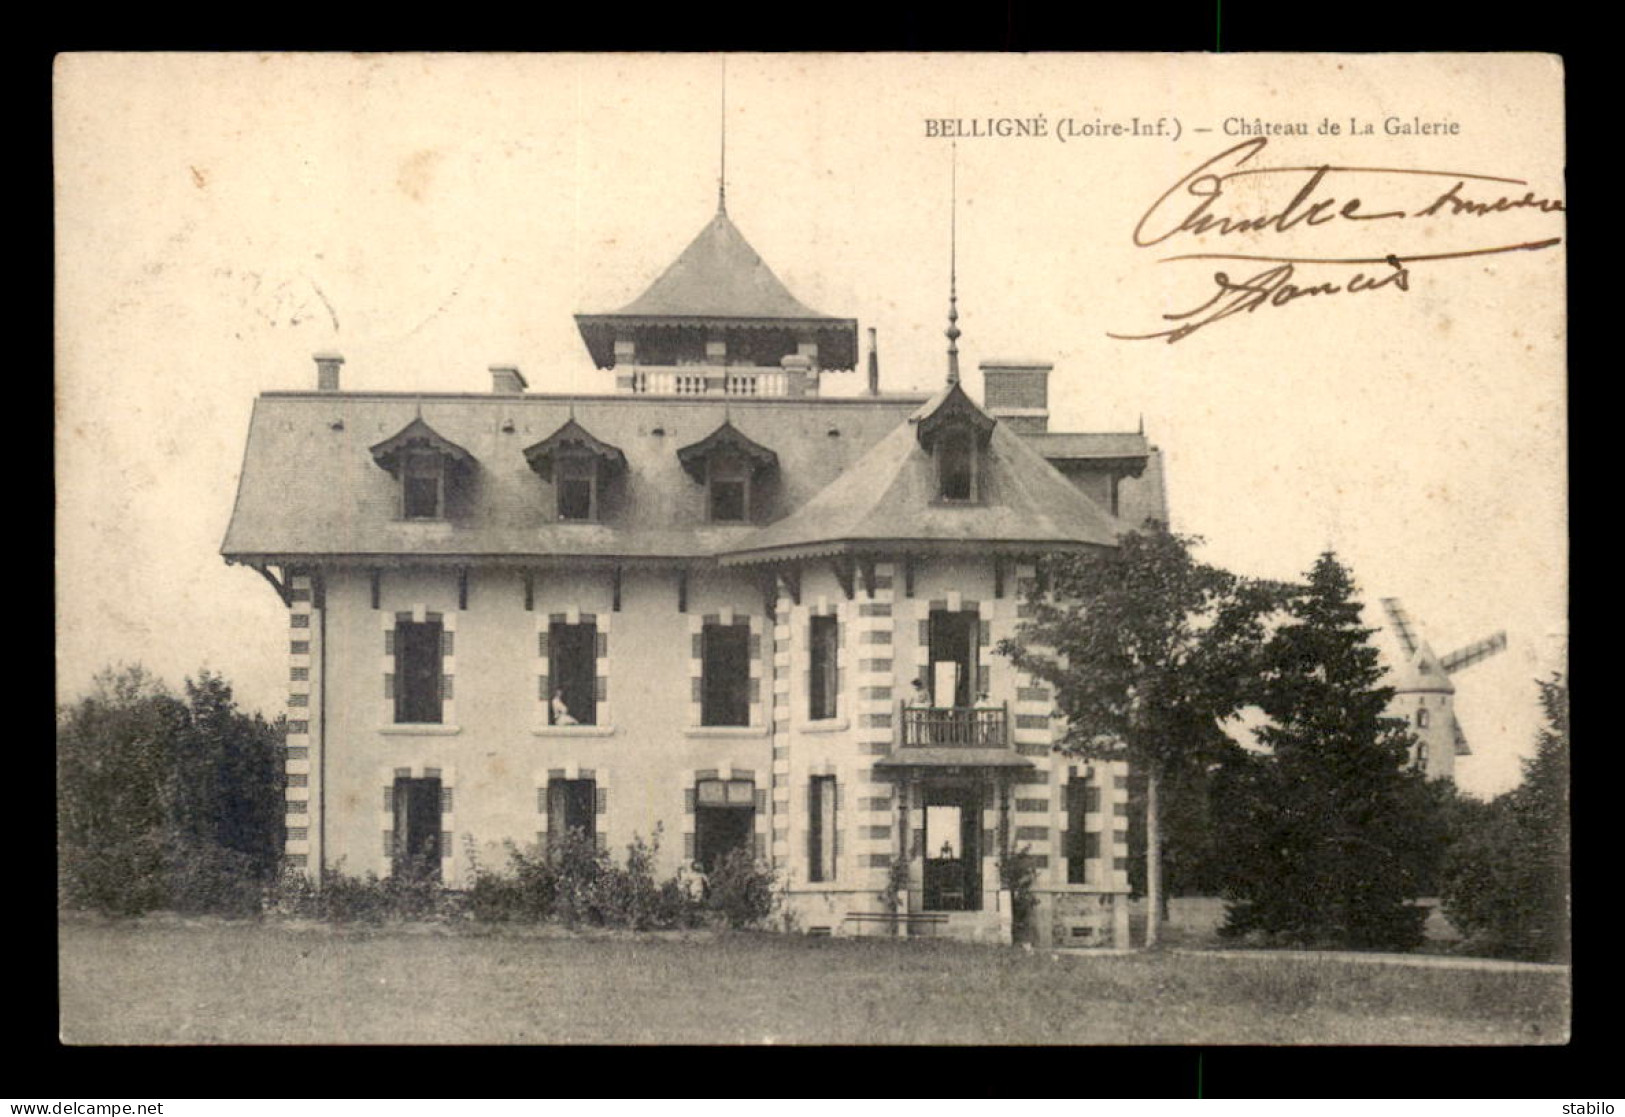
<point>327,370</point>
<point>506,380</point>
<point>1017,393</point>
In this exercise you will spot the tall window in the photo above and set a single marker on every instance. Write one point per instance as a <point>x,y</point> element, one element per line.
<point>572,651</point>
<point>577,488</point>
<point>423,486</point>
<point>954,657</point>
<point>418,671</point>
<point>956,466</point>
<point>572,808</point>
<point>725,668</point>
<point>1082,799</point>
<point>729,479</point>
<point>822,680</point>
<point>821,829</point>
<point>417,828</point>
<point>724,819</point>
<point>1421,717</point>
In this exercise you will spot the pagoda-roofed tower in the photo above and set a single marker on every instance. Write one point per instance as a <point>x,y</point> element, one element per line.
<point>719,322</point>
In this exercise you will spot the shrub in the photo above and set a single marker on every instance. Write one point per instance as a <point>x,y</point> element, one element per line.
<point>413,894</point>
<point>207,878</point>
<point>740,890</point>
<point>580,891</point>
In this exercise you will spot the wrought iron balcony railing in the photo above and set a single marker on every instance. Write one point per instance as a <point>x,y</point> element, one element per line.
<point>978,727</point>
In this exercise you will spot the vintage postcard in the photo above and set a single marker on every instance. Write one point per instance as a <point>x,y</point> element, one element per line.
<point>634,471</point>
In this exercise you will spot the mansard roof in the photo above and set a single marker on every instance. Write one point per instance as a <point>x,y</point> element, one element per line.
<point>889,497</point>
<point>309,489</point>
<point>417,435</point>
<point>851,475</point>
<point>571,437</point>
<point>726,439</point>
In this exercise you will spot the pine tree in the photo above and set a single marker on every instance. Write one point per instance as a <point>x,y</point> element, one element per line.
<point>1506,878</point>
<point>1331,834</point>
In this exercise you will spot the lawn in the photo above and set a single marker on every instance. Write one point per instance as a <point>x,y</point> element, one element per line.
<point>165,980</point>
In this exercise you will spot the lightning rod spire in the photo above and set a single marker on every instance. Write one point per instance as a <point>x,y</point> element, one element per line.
<point>953,266</point>
<point>722,171</point>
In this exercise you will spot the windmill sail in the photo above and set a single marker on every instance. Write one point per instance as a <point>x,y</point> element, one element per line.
<point>1461,739</point>
<point>1401,623</point>
<point>1473,653</point>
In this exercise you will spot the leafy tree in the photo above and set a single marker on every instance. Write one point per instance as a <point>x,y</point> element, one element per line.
<point>164,803</point>
<point>1506,876</point>
<point>1331,834</point>
<point>1149,651</point>
<point>113,762</point>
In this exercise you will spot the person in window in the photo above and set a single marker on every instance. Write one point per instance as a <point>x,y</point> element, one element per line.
<point>560,710</point>
<point>919,699</point>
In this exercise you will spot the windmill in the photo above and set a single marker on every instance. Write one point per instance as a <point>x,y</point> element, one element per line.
<point>1424,694</point>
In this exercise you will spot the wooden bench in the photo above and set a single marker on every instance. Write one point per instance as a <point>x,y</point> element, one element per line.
<point>915,923</point>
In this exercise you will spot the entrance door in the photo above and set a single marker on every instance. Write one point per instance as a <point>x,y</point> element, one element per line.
<point>953,849</point>
<point>417,828</point>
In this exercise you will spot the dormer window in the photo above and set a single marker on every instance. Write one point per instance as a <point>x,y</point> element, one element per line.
<point>577,488</point>
<point>731,467</point>
<point>427,465</point>
<point>423,486</point>
<point>956,433</point>
<point>729,490</point>
<point>579,467</point>
<point>956,466</point>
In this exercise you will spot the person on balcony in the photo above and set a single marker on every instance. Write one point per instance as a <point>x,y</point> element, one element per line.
<point>919,699</point>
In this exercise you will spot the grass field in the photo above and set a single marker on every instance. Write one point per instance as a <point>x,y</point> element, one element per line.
<point>179,982</point>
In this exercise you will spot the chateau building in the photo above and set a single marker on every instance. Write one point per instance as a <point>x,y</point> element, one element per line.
<point>697,600</point>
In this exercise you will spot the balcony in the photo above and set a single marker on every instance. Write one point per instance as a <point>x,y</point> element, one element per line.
<point>718,380</point>
<point>963,727</point>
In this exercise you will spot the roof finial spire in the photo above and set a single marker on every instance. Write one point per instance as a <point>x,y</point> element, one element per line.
<point>722,172</point>
<point>953,266</point>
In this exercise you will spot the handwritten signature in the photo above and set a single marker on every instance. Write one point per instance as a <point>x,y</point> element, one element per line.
<point>1197,206</point>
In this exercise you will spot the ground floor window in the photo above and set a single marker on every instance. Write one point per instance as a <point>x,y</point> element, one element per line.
<point>724,820</point>
<point>1081,846</point>
<point>821,829</point>
<point>416,851</point>
<point>572,807</point>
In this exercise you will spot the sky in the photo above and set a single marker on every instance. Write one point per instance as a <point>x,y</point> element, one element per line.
<point>221,218</point>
